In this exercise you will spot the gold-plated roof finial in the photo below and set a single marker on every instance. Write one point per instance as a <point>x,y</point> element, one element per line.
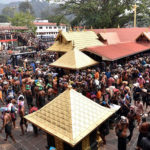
<point>60,31</point>
<point>84,28</point>
<point>70,29</point>
<point>73,44</point>
<point>104,29</point>
<point>69,86</point>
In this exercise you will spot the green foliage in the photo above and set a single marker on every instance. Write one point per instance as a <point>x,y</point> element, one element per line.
<point>9,11</point>
<point>143,13</point>
<point>23,19</point>
<point>106,13</point>
<point>3,18</point>
<point>98,13</point>
<point>26,7</point>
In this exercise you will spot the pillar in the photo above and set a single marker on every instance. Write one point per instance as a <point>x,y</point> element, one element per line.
<point>86,143</point>
<point>59,144</point>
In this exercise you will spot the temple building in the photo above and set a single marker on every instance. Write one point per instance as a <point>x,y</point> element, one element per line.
<point>66,41</point>
<point>72,121</point>
<point>120,43</point>
<point>7,34</point>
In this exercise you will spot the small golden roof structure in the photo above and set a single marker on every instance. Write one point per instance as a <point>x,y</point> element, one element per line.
<point>74,59</point>
<point>64,41</point>
<point>70,116</point>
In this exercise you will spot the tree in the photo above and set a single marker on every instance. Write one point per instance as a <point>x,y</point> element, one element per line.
<point>3,18</point>
<point>23,19</point>
<point>98,13</point>
<point>106,13</point>
<point>143,13</point>
<point>9,11</point>
<point>26,7</point>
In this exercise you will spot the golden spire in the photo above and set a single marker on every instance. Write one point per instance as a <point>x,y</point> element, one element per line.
<point>147,30</point>
<point>84,28</point>
<point>60,31</point>
<point>78,28</point>
<point>70,29</point>
<point>134,9</point>
<point>104,29</point>
<point>73,45</point>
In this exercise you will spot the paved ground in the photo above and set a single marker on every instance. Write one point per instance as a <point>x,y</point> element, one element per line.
<point>29,142</point>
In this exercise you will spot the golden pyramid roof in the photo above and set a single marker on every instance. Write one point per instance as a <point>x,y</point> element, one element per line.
<point>70,116</point>
<point>74,59</point>
<point>60,47</point>
<point>80,39</point>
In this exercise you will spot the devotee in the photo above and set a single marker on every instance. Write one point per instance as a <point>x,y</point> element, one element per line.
<point>21,111</point>
<point>143,131</point>
<point>139,110</point>
<point>145,142</point>
<point>121,132</point>
<point>131,117</point>
<point>32,109</point>
<point>7,124</point>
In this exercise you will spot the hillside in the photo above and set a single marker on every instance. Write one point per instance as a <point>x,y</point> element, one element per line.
<point>37,5</point>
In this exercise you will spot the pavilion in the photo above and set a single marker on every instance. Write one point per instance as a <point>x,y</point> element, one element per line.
<point>72,120</point>
<point>74,59</point>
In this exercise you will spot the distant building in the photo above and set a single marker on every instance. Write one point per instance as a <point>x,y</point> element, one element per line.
<point>5,24</point>
<point>46,29</point>
<point>8,35</point>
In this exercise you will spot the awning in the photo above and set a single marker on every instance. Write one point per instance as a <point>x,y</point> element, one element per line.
<point>118,51</point>
<point>13,28</point>
<point>10,40</point>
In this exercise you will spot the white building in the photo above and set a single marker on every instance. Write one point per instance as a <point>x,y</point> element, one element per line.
<point>47,29</point>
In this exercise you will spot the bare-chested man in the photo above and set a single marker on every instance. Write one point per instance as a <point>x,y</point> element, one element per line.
<point>21,111</point>
<point>7,124</point>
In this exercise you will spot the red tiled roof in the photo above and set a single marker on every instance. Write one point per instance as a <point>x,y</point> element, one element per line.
<point>13,28</point>
<point>124,34</point>
<point>47,24</point>
<point>118,51</point>
<point>110,37</point>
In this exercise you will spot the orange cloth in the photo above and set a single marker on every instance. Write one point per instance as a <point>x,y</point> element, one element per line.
<point>1,71</point>
<point>96,75</point>
<point>99,94</point>
<point>1,95</point>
